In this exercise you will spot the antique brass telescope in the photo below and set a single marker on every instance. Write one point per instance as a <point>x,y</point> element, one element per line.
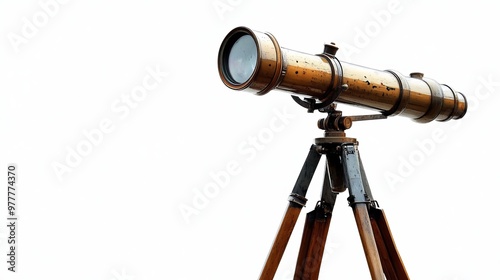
<point>254,61</point>
<point>250,60</point>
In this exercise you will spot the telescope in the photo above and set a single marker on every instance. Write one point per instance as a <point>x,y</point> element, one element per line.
<point>254,61</point>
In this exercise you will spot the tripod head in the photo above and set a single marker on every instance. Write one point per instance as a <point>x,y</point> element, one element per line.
<point>336,122</point>
<point>335,125</point>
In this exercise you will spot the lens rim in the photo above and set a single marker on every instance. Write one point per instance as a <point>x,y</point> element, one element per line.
<point>223,60</point>
<point>269,69</point>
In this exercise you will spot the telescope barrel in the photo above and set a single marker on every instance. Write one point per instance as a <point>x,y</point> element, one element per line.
<point>252,60</point>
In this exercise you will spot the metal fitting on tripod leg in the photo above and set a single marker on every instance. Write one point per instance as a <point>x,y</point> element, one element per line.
<point>298,199</point>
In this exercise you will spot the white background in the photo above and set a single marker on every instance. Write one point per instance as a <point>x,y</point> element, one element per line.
<point>114,211</point>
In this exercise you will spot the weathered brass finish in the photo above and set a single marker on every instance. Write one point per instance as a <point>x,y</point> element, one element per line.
<point>323,77</point>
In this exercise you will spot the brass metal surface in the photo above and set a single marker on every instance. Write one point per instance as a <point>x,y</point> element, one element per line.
<point>323,76</point>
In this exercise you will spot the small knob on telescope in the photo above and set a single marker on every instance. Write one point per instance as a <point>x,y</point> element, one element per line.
<point>345,123</point>
<point>330,49</point>
<point>417,75</point>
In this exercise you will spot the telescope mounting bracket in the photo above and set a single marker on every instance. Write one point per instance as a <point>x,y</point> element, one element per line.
<point>311,104</point>
<point>334,121</point>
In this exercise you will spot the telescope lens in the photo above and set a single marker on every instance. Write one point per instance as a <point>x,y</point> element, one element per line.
<point>242,59</point>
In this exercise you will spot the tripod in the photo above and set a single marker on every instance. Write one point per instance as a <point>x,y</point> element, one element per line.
<point>344,170</point>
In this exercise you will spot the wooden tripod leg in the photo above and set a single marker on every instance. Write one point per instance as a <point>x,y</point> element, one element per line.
<point>392,263</point>
<point>318,222</point>
<point>368,240</point>
<point>285,231</point>
<point>312,244</point>
<point>297,202</point>
<point>359,199</point>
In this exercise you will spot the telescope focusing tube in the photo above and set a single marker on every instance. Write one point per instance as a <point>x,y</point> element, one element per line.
<point>254,61</point>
